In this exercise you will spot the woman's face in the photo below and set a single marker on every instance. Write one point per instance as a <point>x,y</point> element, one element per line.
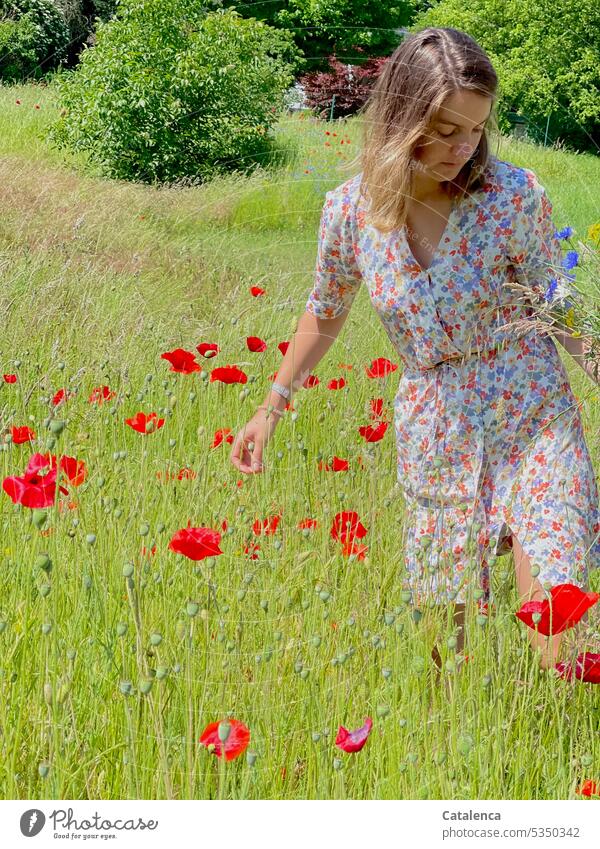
<point>453,135</point>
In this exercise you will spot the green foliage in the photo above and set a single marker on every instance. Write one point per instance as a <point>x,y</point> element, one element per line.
<point>172,91</point>
<point>547,63</point>
<point>350,29</point>
<point>33,38</point>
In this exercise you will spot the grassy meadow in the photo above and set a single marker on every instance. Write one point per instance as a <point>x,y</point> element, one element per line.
<point>116,652</point>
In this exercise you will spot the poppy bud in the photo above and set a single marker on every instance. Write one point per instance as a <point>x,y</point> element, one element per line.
<point>42,561</point>
<point>38,518</point>
<point>43,769</point>
<point>223,731</point>
<point>57,426</point>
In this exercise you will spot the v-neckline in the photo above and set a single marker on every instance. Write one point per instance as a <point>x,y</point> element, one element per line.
<point>435,255</point>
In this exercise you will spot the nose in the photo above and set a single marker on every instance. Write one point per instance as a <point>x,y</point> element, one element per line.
<point>463,149</point>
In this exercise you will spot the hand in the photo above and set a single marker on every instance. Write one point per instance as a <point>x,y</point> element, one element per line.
<point>249,443</point>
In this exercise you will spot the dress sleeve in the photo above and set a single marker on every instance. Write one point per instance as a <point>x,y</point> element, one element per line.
<point>337,275</point>
<point>534,249</point>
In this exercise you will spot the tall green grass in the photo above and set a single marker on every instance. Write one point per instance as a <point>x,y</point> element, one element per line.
<point>100,278</point>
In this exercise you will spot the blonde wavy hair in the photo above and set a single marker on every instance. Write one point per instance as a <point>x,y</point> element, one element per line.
<point>424,70</point>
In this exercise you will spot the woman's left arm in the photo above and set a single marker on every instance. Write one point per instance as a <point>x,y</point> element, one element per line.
<point>578,347</point>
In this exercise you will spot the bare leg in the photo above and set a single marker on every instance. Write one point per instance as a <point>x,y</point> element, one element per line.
<point>530,589</point>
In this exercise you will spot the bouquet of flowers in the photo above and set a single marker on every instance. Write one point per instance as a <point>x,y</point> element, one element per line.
<point>561,308</point>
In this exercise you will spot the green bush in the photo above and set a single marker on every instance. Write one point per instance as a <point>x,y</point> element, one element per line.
<point>172,91</point>
<point>33,39</point>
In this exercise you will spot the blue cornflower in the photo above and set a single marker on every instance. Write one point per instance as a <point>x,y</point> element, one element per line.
<point>551,290</point>
<point>570,259</point>
<point>565,233</point>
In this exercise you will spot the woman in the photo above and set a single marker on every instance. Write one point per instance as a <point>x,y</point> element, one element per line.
<point>491,450</point>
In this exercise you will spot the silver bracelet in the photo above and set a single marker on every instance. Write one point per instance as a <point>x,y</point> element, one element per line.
<point>282,390</point>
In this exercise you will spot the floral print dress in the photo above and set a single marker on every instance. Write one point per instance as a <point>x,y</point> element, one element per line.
<point>489,436</point>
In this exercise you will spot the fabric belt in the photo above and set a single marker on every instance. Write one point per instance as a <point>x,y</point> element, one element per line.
<point>484,354</point>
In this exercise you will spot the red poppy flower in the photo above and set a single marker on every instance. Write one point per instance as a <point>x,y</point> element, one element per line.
<point>311,380</point>
<point>100,394</point>
<point>307,523</point>
<point>336,383</point>
<point>353,741</point>
<point>589,788</point>
<point>346,526</point>
<point>208,349</point>
<point>228,374</point>
<point>380,367</point>
<point>376,407</point>
<point>373,433</point>
<point>568,604</point>
<point>337,465</point>
<point>224,434</point>
<point>32,489</point>
<point>185,473</point>
<point>256,344</point>
<point>22,434</point>
<point>182,361</point>
<point>283,346</point>
<point>196,543</point>
<point>75,470</point>
<point>351,548</point>
<point>236,743</point>
<point>266,526</point>
<point>145,423</point>
<point>587,668</point>
<point>60,396</point>
<point>10,378</point>
<point>255,291</point>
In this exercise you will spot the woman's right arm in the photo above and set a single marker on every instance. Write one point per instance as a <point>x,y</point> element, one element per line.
<point>309,344</point>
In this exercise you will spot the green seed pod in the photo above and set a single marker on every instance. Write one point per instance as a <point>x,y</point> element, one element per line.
<point>316,641</point>
<point>118,513</point>
<point>42,561</point>
<point>251,758</point>
<point>534,571</point>
<point>125,687</point>
<point>465,744</point>
<point>481,620</point>
<point>45,590</point>
<point>337,763</point>
<point>57,426</point>
<point>46,628</point>
<point>535,617</point>
<point>192,608</point>
<point>241,595</point>
<point>43,769</point>
<point>486,680</point>
<point>223,731</point>
<point>587,760</point>
<point>38,518</point>
<point>155,639</point>
<point>128,570</point>
<point>145,686</point>
<point>161,672</point>
<point>324,595</point>
<point>382,710</point>
<point>144,529</point>
<point>90,539</point>
<point>386,672</point>
<point>304,674</point>
<point>2,626</point>
<point>121,628</point>
<point>406,596</point>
